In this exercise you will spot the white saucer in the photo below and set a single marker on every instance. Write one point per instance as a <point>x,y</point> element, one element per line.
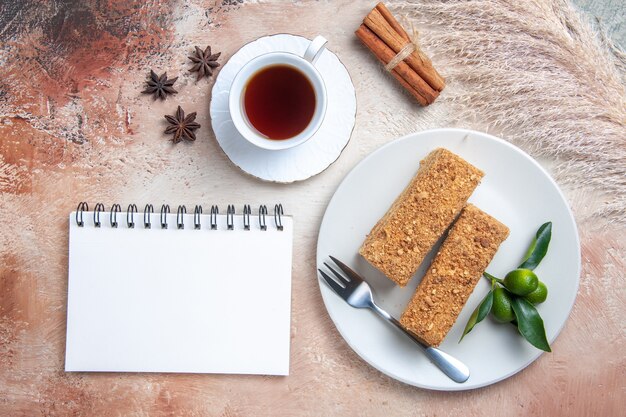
<point>303,161</point>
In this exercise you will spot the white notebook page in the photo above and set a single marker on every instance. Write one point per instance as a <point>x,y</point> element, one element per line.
<point>172,300</point>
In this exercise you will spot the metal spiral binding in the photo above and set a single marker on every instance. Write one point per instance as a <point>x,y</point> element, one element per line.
<point>196,217</point>
<point>165,210</point>
<point>147,214</point>
<point>262,214</point>
<point>246,216</point>
<point>130,216</point>
<point>180,216</point>
<point>82,207</point>
<point>230,217</point>
<point>115,208</point>
<point>180,220</point>
<point>214,212</point>
<point>96,214</point>
<point>278,212</point>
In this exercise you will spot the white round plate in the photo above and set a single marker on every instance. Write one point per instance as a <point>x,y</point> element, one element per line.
<point>302,161</point>
<point>516,191</point>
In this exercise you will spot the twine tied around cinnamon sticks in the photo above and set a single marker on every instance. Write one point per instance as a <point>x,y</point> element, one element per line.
<point>400,54</point>
<point>411,46</point>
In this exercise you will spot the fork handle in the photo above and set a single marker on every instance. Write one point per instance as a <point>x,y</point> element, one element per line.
<point>449,365</point>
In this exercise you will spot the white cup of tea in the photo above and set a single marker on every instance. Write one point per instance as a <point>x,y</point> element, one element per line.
<point>278,100</point>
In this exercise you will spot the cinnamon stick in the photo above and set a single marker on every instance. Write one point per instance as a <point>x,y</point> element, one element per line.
<point>378,24</point>
<point>392,21</point>
<point>409,79</point>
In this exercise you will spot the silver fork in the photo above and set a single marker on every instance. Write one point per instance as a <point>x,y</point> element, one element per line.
<point>357,293</point>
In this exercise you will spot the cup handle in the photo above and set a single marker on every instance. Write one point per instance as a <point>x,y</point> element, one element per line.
<point>315,49</point>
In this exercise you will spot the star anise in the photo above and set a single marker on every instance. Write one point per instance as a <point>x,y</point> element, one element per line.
<point>160,86</point>
<point>204,62</point>
<point>182,127</point>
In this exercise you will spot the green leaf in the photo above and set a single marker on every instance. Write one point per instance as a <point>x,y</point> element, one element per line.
<point>479,314</point>
<point>538,247</point>
<point>530,324</point>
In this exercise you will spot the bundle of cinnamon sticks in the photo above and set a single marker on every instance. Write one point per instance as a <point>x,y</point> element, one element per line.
<point>385,37</point>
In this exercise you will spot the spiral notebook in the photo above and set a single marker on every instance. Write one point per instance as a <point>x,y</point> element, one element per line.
<point>179,292</point>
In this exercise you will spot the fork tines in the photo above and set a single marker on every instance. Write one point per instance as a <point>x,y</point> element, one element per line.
<point>338,288</point>
<point>352,276</point>
<point>342,284</point>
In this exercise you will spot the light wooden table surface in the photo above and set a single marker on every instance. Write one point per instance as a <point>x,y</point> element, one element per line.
<point>74,127</point>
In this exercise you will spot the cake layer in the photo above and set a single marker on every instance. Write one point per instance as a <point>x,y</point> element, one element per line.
<point>420,215</point>
<point>453,274</point>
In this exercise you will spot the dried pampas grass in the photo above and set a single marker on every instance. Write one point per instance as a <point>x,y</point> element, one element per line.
<point>538,74</point>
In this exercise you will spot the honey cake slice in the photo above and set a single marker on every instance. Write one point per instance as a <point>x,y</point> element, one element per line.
<point>402,238</point>
<point>452,276</point>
